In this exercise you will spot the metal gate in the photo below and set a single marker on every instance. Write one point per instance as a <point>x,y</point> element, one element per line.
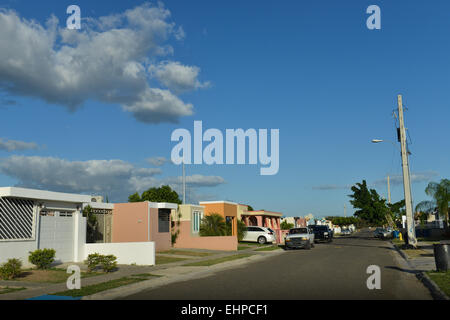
<point>57,233</point>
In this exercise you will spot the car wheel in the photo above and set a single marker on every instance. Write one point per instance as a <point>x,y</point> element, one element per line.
<point>308,246</point>
<point>312,245</point>
<point>286,248</point>
<point>262,240</point>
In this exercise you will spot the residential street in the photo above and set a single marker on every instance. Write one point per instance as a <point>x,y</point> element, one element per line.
<point>334,270</point>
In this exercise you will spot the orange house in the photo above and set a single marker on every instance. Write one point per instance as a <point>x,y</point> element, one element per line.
<point>228,210</point>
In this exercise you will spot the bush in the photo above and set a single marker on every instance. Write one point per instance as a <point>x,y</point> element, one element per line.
<point>11,269</point>
<point>93,261</point>
<point>42,258</point>
<point>107,263</point>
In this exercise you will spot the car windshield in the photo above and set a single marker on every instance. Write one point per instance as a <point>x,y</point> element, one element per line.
<point>321,228</point>
<point>298,231</point>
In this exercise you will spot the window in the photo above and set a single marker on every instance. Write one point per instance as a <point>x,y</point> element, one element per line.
<point>196,220</point>
<point>16,219</point>
<point>65,214</point>
<point>164,220</point>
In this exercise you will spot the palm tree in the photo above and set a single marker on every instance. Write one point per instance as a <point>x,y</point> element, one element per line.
<point>213,225</point>
<point>440,192</point>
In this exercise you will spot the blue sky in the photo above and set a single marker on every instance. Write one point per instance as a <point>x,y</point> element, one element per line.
<point>311,69</point>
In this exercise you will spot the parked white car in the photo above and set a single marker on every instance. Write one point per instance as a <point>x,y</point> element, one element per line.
<point>259,234</point>
<point>299,238</point>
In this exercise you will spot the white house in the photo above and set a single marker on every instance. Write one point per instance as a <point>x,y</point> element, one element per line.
<point>35,219</point>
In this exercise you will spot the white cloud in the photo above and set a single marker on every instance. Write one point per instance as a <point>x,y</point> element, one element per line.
<point>178,77</point>
<point>108,60</point>
<point>158,161</point>
<point>197,180</point>
<point>115,178</point>
<point>14,145</point>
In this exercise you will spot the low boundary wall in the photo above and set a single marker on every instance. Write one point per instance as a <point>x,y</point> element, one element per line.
<point>140,253</point>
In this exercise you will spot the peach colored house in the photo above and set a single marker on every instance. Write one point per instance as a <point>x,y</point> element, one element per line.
<point>143,221</point>
<point>187,221</point>
<point>262,218</point>
<point>228,210</point>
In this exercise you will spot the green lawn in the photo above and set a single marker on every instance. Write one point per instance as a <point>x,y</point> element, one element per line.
<point>54,275</point>
<point>442,279</point>
<point>244,247</point>
<point>188,253</point>
<point>9,290</point>
<point>164,260</point>
<point>207,263</point>
<point>95,288</point>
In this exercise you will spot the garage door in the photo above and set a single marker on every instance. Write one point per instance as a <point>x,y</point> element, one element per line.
<point>57,233</point>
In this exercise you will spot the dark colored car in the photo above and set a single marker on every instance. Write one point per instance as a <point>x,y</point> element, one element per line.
<point>322,233</point>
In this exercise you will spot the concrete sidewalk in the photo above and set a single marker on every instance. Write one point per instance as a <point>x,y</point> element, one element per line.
<point>420,261</point>
<point>170,270</point>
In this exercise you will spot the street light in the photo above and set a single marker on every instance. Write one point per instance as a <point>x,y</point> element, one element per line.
<point>412,240</point>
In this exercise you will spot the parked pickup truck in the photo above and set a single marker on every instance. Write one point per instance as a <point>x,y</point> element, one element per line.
<point>299,238</point>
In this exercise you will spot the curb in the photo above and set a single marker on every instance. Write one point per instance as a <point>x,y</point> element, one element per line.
<point>435,291</point>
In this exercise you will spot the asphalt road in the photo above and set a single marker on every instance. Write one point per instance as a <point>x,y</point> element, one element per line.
<point>334,270</point>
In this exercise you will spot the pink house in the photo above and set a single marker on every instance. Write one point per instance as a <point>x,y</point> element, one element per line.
<point>142,222</point>
<point>262,218</point>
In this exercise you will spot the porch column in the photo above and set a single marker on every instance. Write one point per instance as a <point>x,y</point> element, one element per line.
<point>259,221</point>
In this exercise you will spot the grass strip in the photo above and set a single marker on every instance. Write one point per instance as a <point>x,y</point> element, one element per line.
<point>164,260</point>
<point>271,248</point>
<point>9,290</point>
<point>442,279</point>
<point>95,288</point>
<point>188,253</point>
<point>207,263</point>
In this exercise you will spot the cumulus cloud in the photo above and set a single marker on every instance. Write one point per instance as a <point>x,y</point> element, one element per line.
<point>14,145</point>
<point>178,77</point>
<point>158,161</point>
<point>116,178</point>
<point>108,60</point>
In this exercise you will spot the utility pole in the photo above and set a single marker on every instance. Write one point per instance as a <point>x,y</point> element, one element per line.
<point>184,184</point>
<point>389,190</point>
<point>410,226</point>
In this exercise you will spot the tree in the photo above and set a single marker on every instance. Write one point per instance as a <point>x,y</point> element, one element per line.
<point>372,208</point>
<point>92,233</point>
<point>213,225</point>
<point>135,197</point>
<point>250,208</point>
<point>161,194</point>
<point>343,221</point>
<point>440,192</point>
<point>286,225</point>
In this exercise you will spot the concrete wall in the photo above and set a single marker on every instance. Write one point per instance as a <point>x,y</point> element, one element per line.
<point>18,250</point>
<point>188,241</point>
<point>130,222</point>
<point>140,253</point>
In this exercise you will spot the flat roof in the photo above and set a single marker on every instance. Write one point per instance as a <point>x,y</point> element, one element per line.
<point>220,201</point>
<point>263,213</point>
<point>43,195</point>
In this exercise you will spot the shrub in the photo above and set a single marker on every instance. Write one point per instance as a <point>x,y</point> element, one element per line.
<point>42,258</point>
<point>11,269</point>
<point>109,263</point>
<point>93,261</point>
